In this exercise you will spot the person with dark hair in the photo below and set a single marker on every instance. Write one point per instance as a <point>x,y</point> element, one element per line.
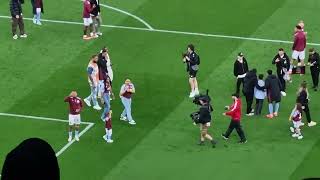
<point>193,61</point>
<point>234,111</point>
<point>108,127</point>
<point>260,94</point>
<point>296,118</point>
<point>314,63</point>
<point>273,87</point>
<point>37,8</point>
<point>205,122</point>
<point>103,71</point>
<point>240,70</point>
<point>96,16</point>
<point>33,159</point>
<point>282,62</point>
<point>17,18</point>
<point>250,81</point>
<point>75,107</point>
<point>298,48</point>
<point>303,98</point>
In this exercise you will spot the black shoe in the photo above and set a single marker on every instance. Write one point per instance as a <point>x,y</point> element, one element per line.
<point>315,89</point>
<point>243,141</point>
<point>214,143</point>
<point>201,143</point>
<point>224,137</point>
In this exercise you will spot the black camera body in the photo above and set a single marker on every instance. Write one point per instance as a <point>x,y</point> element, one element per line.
<point>195,117</point>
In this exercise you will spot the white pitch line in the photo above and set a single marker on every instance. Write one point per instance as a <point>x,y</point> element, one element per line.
<point>129,14</point>
<point>39,118</point>
<point>174,32</point>
<point>71,142</point>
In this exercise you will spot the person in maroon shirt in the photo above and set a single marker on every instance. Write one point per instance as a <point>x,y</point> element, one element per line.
<point>37,8</point>
<point>87,20</point>
<point>234,111</point>
<point>75,107</point>
<point>298,48</point>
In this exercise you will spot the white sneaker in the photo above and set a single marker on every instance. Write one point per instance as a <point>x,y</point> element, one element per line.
<point>132,122</point>
<point>24,36</point>
<point>88,103</point>
<point>312,123</point>
<point>122,118</point>
<point>250,114</point>
<point>300,137</point>
<point>192,94</point>
<point>292,129</point>
<point>284,94</point>
<point>105,137</point>
<point>302,124</point>
<point>99,33</point>
<point>77,138</point>
<point>70,139</point>
<point>97,107</point>
<point>295,135</point>
<point>15,37</point>
<point>109,141</point>
<point>39,23</point>
<point>34,21</point>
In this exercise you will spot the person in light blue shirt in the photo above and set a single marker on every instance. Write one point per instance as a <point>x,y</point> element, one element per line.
<point>259,94</point>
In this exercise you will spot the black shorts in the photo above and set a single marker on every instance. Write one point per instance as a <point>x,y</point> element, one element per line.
<point>192,73</point>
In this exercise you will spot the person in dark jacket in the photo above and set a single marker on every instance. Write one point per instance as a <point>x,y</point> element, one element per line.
<point>273,87</point>
<point>17,18</point>
<point>239,70</point>
<point>96,16</point>
<point>32,159</point>
<point>205,122</point>
<point>303,98</point>
<point>314,63</point>
<point>282,62</point>
<point>250,81</point>
<point>37,9</point>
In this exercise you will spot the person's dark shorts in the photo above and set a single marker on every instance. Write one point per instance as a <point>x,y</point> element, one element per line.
<point>192,73</point>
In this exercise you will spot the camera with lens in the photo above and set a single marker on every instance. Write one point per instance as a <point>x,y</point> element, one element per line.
<point>195,116</point>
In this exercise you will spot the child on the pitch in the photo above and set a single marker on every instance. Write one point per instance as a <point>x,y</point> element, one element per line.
<point>75,106</point>
<point>296,118</point>
<point>108,127</point>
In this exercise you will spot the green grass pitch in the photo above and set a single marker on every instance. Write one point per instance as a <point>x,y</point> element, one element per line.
<point>37,72</point>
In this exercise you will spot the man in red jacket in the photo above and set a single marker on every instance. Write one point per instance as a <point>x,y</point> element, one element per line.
<point>234,111</point>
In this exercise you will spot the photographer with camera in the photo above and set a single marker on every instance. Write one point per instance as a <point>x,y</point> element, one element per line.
<point>203,118</point>
<point>192,60</point>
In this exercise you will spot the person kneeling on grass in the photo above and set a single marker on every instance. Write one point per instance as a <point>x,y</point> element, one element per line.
<point>75,106</point>
<point>108,126</point>
<point>296,118</point>
<point>235,112</point>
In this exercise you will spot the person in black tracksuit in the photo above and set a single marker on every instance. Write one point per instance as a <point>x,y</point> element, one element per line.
<point>303,98</point>
<point>17,18</point>
<point>250,80</point>
<point>205,121</point>
<point>282,62</point>
<point>314,62</point>
<point>239,70</point>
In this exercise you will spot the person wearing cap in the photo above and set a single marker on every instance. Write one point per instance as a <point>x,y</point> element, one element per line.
<point>126,92</point>
<point>240,70</point>
<point>192,60</point>
<point>282,62</point>
<point>298,48</point>
<point>314,63</point>
<point>205,121</point>
<point>234,111</point>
